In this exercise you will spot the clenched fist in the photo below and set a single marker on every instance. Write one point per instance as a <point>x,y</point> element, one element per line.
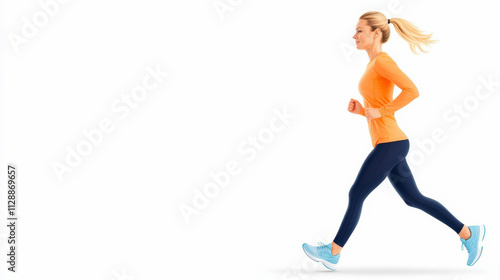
<point>354,106</point>
<point>372,113</point>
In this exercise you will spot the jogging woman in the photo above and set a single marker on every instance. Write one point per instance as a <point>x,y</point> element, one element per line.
<point>390,144</point>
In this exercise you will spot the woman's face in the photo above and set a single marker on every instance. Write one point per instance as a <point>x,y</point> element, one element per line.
<point>363,36</point>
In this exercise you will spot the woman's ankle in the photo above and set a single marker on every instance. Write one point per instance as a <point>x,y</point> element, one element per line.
<point>465,233</point>
<point>336,249</point>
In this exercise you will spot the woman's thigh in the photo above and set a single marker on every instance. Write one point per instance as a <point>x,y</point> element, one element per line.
<point>378,164</point>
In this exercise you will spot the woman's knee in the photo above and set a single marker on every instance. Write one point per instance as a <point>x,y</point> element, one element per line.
<point>354,192</point>
<point>416,201</point>
<point>410,203</point>
<point>357,193</point>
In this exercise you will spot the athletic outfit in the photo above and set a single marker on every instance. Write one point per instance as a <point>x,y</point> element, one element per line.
<point>388,159</point>
<point>391,145</point>
<point>377,87</point>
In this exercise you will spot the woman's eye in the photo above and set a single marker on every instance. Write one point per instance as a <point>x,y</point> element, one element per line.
<point>359,30</point>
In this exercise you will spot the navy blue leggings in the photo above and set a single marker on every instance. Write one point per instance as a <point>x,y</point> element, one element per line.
<point>389,160</point>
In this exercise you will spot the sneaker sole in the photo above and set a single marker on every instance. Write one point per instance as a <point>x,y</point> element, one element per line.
<point>328,265</point>
<point>482,232</point>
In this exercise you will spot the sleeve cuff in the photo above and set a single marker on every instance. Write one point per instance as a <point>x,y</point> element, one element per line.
<point>382,111</point>
<point>362,111</point>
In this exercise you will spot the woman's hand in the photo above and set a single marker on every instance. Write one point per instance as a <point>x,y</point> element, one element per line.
<point>372,113</point>
<point>354,106</point>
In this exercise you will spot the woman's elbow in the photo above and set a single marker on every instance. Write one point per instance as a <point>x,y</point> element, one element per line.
<point>415,92</point>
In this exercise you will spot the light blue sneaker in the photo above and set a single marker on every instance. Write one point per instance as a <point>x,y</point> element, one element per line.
<point>474,244</point>
<point>323,254</point>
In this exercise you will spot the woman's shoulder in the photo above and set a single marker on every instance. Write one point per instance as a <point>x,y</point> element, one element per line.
<point>383,58</point>
<point>384,55</point>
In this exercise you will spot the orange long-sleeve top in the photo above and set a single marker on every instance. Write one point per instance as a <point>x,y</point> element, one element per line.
<point>377,88</point>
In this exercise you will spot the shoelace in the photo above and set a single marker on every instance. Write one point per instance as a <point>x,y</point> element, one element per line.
<point>467,242</point>
<point>468,250</point>
<point>322,246</point>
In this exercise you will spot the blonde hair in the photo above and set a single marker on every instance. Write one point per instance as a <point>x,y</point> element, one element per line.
<point>407,30</point>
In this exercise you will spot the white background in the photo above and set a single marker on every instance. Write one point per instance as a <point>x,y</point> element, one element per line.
<point>116,214</point>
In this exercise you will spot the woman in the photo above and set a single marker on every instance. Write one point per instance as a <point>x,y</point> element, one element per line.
<point>387,159</point>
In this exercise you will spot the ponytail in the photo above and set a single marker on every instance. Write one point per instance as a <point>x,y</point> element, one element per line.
<point>407,30</point>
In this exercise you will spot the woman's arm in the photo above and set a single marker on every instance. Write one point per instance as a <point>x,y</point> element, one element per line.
<point>387,68</point>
